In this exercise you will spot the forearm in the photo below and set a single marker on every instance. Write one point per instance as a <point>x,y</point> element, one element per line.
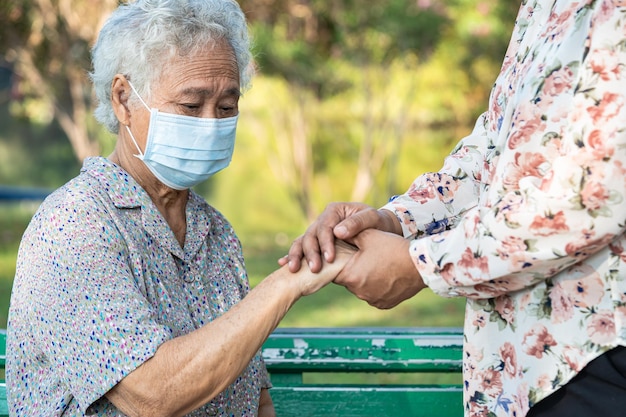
<point>188,371</point>
<point>266,406</point>
<point>518,241</point>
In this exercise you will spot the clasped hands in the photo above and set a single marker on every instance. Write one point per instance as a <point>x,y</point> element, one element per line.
<point>380,272</point>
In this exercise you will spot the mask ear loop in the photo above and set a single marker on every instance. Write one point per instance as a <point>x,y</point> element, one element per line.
<point>141,154</point>
<point>143,102</point>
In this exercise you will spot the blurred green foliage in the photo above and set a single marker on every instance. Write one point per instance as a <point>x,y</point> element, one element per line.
<point>351,86</point>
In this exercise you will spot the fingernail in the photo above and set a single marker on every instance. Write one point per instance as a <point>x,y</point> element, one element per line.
<point>290,264</point>
<point>326,256</point>
<point>341,230</point>
<point>311,265</point>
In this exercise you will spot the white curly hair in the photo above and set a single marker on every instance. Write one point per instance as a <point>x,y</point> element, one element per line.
<point>140,35</point>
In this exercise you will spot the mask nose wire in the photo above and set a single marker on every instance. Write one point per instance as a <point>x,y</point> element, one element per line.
<point>141,154</point>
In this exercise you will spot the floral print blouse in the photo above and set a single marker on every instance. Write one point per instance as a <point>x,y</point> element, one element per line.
<point>102,282</point>
<point>527,217</point>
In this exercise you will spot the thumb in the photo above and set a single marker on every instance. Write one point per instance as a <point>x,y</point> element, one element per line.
<point>355,224</point>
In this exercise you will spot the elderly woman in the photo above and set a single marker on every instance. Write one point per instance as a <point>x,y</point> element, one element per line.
<point>129,292</point>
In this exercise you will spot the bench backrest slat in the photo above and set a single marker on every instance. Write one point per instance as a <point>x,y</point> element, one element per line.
<point>3,348</point>
<point>359,350</point>
<point>4,407</point>
<point>293,355</point>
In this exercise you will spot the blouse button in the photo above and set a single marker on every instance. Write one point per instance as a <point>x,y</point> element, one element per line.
<point>212,410</point>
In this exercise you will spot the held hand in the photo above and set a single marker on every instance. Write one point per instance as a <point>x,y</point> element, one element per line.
<point>382,271</point>
<point>341,220</point>
<point>311,282</point>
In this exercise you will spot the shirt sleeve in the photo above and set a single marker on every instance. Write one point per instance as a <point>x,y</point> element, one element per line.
<point>437,201</point>
<point>93,322</point>
<point>517,205</point>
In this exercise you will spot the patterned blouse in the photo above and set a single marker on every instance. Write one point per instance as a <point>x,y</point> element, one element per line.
<point>527,217</point>
<point>101,282</point>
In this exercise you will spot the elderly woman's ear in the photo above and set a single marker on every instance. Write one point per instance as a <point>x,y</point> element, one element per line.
<point>120,93</point>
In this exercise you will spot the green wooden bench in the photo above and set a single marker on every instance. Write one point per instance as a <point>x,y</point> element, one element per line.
<point>309,368</point>
<point>356,372</point>
<point>4,408</point>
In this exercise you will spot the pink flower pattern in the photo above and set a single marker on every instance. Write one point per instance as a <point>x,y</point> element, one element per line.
<point>527,217</point>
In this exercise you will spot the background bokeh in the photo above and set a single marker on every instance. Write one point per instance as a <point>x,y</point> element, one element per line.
<point>352,100</point>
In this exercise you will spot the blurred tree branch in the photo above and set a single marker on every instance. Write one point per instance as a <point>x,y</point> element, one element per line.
<point>47,42</point>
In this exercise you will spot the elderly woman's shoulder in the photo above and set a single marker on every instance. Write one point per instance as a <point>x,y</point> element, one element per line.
<point>78,193</point>
<point>99,183</point>
<point>84,196</point>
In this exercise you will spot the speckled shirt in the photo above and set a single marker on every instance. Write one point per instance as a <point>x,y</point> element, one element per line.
<point>101,282</point>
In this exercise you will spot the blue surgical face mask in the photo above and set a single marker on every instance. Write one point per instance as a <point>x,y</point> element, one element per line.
<point>182,151</point>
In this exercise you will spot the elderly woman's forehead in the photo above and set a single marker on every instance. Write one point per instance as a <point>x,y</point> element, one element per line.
<point>214,61</point>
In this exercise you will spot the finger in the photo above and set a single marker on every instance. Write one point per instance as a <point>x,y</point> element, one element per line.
<point>311,251</point>
<point>345,278</point>
<point>343,246</point>
<point>325,236</point>
<point>326,241</point>
<point>342,278</point>
<point>294,257</point>
<point>356,223</point>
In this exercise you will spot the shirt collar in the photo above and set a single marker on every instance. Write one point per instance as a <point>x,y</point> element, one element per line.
<point>123,190</point>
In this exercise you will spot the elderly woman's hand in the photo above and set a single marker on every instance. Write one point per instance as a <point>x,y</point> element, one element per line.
<point>312,282</point>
